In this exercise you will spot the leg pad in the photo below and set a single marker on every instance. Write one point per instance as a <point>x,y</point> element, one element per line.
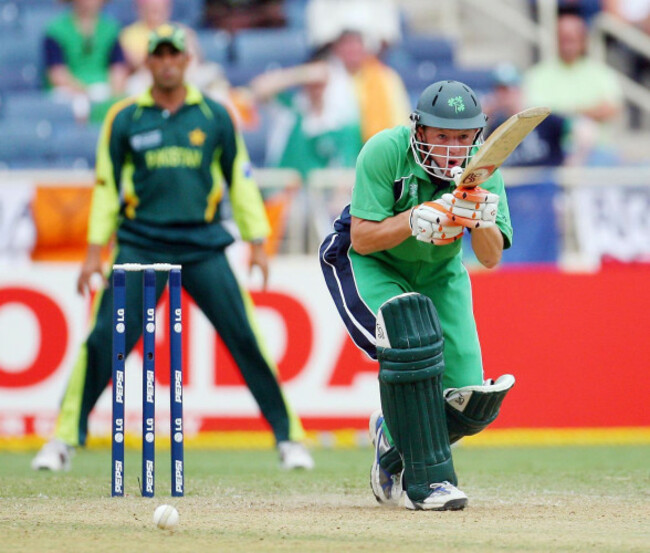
<point>409,350</point>
<point>472,408</point>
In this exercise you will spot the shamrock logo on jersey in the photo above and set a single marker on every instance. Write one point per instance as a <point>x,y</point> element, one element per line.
<point>457,103</point>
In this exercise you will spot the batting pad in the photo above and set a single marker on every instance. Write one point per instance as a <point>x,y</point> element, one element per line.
<point>472,408</point>
<point>409,351</point>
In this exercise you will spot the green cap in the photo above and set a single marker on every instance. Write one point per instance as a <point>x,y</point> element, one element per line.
<point>167,34</point>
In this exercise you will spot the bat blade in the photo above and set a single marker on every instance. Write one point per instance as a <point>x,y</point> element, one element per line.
<point>499,145</point>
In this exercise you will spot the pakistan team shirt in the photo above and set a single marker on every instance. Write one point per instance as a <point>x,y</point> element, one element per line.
<point>160,177</point>
<point>389,182</point>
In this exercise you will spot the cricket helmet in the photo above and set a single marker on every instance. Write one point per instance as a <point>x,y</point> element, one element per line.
<point>445,105</point>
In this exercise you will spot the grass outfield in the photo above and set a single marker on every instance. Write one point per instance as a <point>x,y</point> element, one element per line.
<point>521,499</point>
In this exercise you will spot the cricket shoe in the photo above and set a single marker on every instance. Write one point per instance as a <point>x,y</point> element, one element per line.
<point>54,455</point>
<point>443,497</point>
<point>294,455</point>
<point>386,487</point>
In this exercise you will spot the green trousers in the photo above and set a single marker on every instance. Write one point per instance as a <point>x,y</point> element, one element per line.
<point>448,286</point>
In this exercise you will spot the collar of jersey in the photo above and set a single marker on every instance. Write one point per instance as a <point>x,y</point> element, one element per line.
<point>194,96</point>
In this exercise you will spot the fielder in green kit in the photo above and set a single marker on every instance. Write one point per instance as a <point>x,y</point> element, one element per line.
<point>393,266</point>
<point>162,160</point>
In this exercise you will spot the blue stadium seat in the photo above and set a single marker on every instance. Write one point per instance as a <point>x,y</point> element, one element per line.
<point>76,142</point>
<point>294,13</point>
<point>18,49</point>
<point>215,45</point>
<point>420,48</point>
<point>417,76</point>
<point>480,80</point>
<point>36,106</point>
<point>122,10</point>
<point>188,12</point>
<point>259,46</point>
<point>35,18</point>
<point>256,139</point>
<point>241,74</point>
<point>9,16</point>
<point>25,141</point>
<point>414,96</point>
<point>19,77</point>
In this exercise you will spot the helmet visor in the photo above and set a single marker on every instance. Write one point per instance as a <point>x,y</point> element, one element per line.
<point>439,158</point>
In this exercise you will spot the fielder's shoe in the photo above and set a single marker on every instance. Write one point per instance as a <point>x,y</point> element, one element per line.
<point>443,497</point>
<point>386,487</point>
<point>54,455</point>
<point>294,455</point>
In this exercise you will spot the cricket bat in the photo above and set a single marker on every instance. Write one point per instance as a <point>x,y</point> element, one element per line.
<point>499,145</point>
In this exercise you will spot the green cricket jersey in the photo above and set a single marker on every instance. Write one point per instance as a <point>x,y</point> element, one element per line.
<point>389,181</point>
<point>87,61</point>
<point>160,177</point>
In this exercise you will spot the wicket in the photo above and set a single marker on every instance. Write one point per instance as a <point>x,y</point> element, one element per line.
<point>148,377</point>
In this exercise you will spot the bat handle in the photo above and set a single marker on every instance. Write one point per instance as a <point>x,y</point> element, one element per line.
<point>457,173</point>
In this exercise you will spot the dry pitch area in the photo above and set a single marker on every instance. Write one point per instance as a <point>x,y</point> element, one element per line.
<point>533,499</point>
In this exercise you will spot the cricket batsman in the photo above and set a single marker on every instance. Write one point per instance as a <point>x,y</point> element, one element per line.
<point>163,161</point>
<point>393,266</point>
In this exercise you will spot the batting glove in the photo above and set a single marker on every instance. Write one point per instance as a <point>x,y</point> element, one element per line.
<point>471,207</point>
<point>431,222</point>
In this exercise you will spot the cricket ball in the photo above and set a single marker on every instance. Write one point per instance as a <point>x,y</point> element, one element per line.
<point>165,517</point>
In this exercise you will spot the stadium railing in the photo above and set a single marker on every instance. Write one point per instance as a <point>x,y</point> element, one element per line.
<point>569,217</point>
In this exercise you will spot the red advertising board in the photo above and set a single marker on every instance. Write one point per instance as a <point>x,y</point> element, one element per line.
<point>577,344</point>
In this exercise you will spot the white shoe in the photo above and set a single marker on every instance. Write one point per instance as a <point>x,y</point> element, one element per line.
<point>54,455</point>
<point>443,497</point>
<point>294,455</point>
<point>386,487</point>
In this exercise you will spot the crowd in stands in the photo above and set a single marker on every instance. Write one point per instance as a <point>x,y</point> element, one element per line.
<point>308,80</point>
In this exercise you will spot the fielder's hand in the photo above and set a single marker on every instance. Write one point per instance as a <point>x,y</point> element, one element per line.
<point>431,222</point>
<point>92,265</point>
<point>259,259</point>
<point>471,207</point>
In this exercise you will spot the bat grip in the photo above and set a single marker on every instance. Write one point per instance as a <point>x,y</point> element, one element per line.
<point>457,173</point>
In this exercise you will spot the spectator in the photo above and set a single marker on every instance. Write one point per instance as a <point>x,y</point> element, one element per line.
<point>134,37</point>
<point>313,125</point>
<point>549,143</point>
<point>206,76</point>
<point>381,95</point>
<point>83,57</point>
<point>233,15</point>
<point>377,20</point>
<point>574,84</point>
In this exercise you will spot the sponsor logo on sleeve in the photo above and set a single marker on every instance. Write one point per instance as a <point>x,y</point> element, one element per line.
<point>146,140</point>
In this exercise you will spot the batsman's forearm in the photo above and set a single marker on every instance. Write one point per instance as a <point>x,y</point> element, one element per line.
<point>487,244</point>
<point>374,236</point>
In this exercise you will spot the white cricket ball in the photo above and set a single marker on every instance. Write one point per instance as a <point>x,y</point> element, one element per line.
<point>165,517</point>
